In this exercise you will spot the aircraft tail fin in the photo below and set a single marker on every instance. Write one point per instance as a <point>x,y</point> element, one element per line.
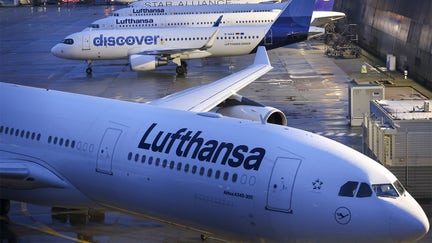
<point>218,21</point>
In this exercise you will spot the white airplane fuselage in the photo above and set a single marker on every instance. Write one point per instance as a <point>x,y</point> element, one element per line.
<point>140,10</point>
<point>183,20</point>
<point>216,174</point>
<point>121,43</point>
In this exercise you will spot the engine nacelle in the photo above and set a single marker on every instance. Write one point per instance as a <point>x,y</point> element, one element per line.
<point>146,62</point>
<point>255,113</point>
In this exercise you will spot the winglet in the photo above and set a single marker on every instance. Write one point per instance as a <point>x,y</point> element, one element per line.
<point>211,41</point>
<point>261,56</point>
<point>218,21</point>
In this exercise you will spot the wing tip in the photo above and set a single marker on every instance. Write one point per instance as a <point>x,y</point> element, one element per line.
<point>261,56</point>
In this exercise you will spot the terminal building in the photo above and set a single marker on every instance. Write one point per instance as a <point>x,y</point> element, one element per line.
<point>398,134</point>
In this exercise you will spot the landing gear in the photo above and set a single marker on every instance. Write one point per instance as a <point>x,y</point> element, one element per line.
<point>4,206</point>
<point>89,69</point>
<point>182,69</point>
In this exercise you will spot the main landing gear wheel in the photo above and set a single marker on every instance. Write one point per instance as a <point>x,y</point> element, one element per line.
<point>182,69</point>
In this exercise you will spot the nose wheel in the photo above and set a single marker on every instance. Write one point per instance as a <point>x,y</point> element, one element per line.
<point>182,69</point>
<point>89,69</point>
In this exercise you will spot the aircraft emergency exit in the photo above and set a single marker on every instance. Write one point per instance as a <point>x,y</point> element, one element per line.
<point>149,48</point>
<point>232,177</point>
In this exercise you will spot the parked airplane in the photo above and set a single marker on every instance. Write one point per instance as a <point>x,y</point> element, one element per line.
<point>190,20</point>
<point>223,177</point>
<point>200,9</point>
<point>162,3</point>
<point>321,16</point>
<point>149,48</point>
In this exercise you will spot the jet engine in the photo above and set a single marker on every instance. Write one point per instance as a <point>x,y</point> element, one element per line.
<point>146,62</point>
<point>243,108</point>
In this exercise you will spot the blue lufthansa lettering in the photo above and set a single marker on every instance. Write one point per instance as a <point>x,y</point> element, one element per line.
<point>101,40</point>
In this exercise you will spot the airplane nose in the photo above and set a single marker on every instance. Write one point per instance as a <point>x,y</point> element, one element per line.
<point>57,51</point>
<point>409,224</point>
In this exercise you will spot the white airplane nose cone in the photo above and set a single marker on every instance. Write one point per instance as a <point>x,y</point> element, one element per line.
<point>57,51</point>
<point>409,225</point>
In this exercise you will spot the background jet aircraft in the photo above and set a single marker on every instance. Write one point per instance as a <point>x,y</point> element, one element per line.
<point>173,161</point>
<point>147,49</point>
<point>186,20</point>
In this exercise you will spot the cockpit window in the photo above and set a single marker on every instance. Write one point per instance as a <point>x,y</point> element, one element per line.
<point>94,26</point>
<point>399,187</point>
<point>385,190</point>
<point>364,190</point>
<point>348,189</point>
<point>68,41</point>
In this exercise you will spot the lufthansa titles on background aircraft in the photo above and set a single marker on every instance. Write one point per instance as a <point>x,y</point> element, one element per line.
<point>102,40</point>
<point>190,144</point>
<point>134,21</point>
<point>148,11</point>
<point>186,3</point>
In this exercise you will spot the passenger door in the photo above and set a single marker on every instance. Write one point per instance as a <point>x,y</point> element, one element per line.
<point>281,185</point>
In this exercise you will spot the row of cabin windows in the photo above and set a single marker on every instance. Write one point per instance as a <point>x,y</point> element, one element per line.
<point>217,12</point>
<point>179,167</point>
<point>61,141</point>
<point>205,38</point>
<point>19,133</point>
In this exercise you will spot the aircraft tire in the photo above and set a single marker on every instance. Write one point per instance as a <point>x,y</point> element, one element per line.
<point>180,70</point>
<point>89,71</point>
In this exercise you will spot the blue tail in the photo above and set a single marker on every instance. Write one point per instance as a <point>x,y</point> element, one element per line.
<point>291,26</point>
<point>324,5</point>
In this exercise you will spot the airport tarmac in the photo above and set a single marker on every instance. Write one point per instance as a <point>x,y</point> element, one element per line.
<point>310,88</point>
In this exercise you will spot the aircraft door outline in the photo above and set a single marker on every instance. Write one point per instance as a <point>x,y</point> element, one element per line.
<point>106,150</point>
<point>281,184</point>
<point>86,42</point>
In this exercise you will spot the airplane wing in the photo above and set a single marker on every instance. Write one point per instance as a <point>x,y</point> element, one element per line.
<point>26,174</point>
<point>206,97</point>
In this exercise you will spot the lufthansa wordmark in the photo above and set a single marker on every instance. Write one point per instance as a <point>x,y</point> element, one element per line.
<point>190,144</point>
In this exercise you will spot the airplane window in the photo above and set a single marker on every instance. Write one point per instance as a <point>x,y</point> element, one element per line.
<point>143,158</point>
<point>201,172</point>
<point>234,177</point>
<point>225,177</point>
<point>68,41</point>
<point>209,172</point>
<point>186,168</point>
<point>129,154</point>
<point>385,190</point>
<point>137,157</point>
<point>179,165</point>
<point>150,160</point>
<point>194,168</point>
<point>67,143</point>
<point>364,190</point>
<point>27,134</point>
<point>17,132</point>
<point>399,187</point>
<point>164,163</point>
<point>73,145</point>
<point>22,133</point>
<point>348,189</point>
<point>171,165</point>
<point>1,129</point>
<point>12,131</point>
<point>157,162</point>
<point>217,175</point>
